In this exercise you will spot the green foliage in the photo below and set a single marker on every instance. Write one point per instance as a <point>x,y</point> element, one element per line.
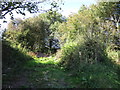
<point>96,76</point>
<point>75,55</point>
<point>62,33</point>
<point>41,72</point>
<point>30,34</point>
<point>92,22</point>
<point>36,33</point>
<point>87,59</point>
<point>107,9</point>
<point>53,20</point>
<point>33,33</point>
<point>90,46</point>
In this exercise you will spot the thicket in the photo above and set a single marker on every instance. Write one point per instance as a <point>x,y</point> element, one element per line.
<point>87,36</point>
<point>77,54</point>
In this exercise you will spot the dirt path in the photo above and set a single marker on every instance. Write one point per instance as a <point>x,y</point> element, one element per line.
<point>39,77</point>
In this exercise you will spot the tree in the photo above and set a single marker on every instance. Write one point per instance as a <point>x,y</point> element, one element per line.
<point>110,13</point>
<point>30,33</point>
<point>20,7</point>
<point>93,22</point>
<point>33,33</point>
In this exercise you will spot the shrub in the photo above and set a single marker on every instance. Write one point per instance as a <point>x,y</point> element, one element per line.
<point>75,55</point>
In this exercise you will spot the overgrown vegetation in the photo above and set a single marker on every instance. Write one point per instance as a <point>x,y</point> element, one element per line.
<point>89,56</point>
<point>75,55</point>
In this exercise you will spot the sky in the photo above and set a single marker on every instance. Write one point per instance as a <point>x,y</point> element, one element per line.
<point>72,6</point>
<point>69,7</point>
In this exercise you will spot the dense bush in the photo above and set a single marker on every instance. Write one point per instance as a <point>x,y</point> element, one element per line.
<point>30,33</point>
<point>75,55</point>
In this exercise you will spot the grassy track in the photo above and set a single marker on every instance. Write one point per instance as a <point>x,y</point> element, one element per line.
<point>21,71</point>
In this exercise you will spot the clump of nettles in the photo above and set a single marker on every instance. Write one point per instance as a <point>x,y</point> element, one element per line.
<point>75,55</point>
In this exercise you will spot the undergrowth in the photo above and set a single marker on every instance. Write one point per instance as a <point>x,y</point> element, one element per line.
<point>47,72</point>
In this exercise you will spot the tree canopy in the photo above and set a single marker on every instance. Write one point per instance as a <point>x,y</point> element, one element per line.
<point>20,7</point>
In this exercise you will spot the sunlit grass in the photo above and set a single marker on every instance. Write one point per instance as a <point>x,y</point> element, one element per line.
<point>45,72</point>
<point>114,55</point>
<point>46,60</point>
